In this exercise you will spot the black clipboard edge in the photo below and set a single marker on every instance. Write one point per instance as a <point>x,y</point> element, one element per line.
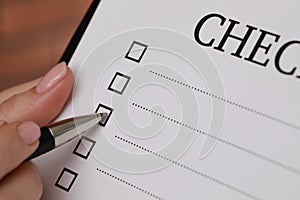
<point>68,53</point>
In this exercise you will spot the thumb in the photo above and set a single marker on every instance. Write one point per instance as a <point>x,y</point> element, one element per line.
<point>43,102</point>
<point>17,142</point>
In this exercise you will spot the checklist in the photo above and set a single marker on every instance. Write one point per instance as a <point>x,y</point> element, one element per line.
<point>202,103</point>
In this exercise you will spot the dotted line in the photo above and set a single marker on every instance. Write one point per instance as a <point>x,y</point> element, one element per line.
<point>274,162</point>
<point>130,184</point>
<point>188,168</point>
<point>227,101</point>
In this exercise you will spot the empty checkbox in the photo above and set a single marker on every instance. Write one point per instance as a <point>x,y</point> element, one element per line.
<point>104,109</point>
<point>136,51</point>
<point>66,179</point>
<point>119,83</point>
<point>84,147</point>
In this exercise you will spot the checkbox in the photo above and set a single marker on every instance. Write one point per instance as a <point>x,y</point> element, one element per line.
<point>119,83</point>
<point>84,147</point>
<point>103,108</point>
<point>66,179</point>
<point>136,51</point>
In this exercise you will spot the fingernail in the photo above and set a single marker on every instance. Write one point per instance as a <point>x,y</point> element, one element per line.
<point>29,132</point>
<point>56,74</point>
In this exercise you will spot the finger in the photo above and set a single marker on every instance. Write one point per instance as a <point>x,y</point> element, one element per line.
<point>22,184</point>
<point>17,142</point>
<point>6,94</point>
<point>43,102</point>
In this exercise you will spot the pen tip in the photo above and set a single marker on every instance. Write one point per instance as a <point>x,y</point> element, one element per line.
<point>103,117</point>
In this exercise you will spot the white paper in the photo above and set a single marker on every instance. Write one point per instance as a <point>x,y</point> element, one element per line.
<point>189,121</point>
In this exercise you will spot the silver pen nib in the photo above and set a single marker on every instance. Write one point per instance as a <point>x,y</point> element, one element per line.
<point>65,130</point>
<point>103,117</point>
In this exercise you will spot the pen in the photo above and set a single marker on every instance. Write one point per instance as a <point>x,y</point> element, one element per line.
<point>61,132</point>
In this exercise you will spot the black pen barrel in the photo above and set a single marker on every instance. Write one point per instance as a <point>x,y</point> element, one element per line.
<point>61,132</point>
<point>47,143</point>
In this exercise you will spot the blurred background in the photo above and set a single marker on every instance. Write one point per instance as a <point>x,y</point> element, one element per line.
<point>33,36</point>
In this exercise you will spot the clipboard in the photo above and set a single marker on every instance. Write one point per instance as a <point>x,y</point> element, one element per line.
<point>201,103</point>
<point>79,32</point>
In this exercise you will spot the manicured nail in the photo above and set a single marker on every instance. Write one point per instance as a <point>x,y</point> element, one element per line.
<point>29,132</point>
<point>56,74</point>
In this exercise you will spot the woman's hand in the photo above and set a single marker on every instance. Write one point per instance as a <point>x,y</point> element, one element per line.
<point>23,109</point>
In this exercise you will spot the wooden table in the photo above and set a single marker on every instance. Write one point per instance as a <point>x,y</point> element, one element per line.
<point>34,34</point>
